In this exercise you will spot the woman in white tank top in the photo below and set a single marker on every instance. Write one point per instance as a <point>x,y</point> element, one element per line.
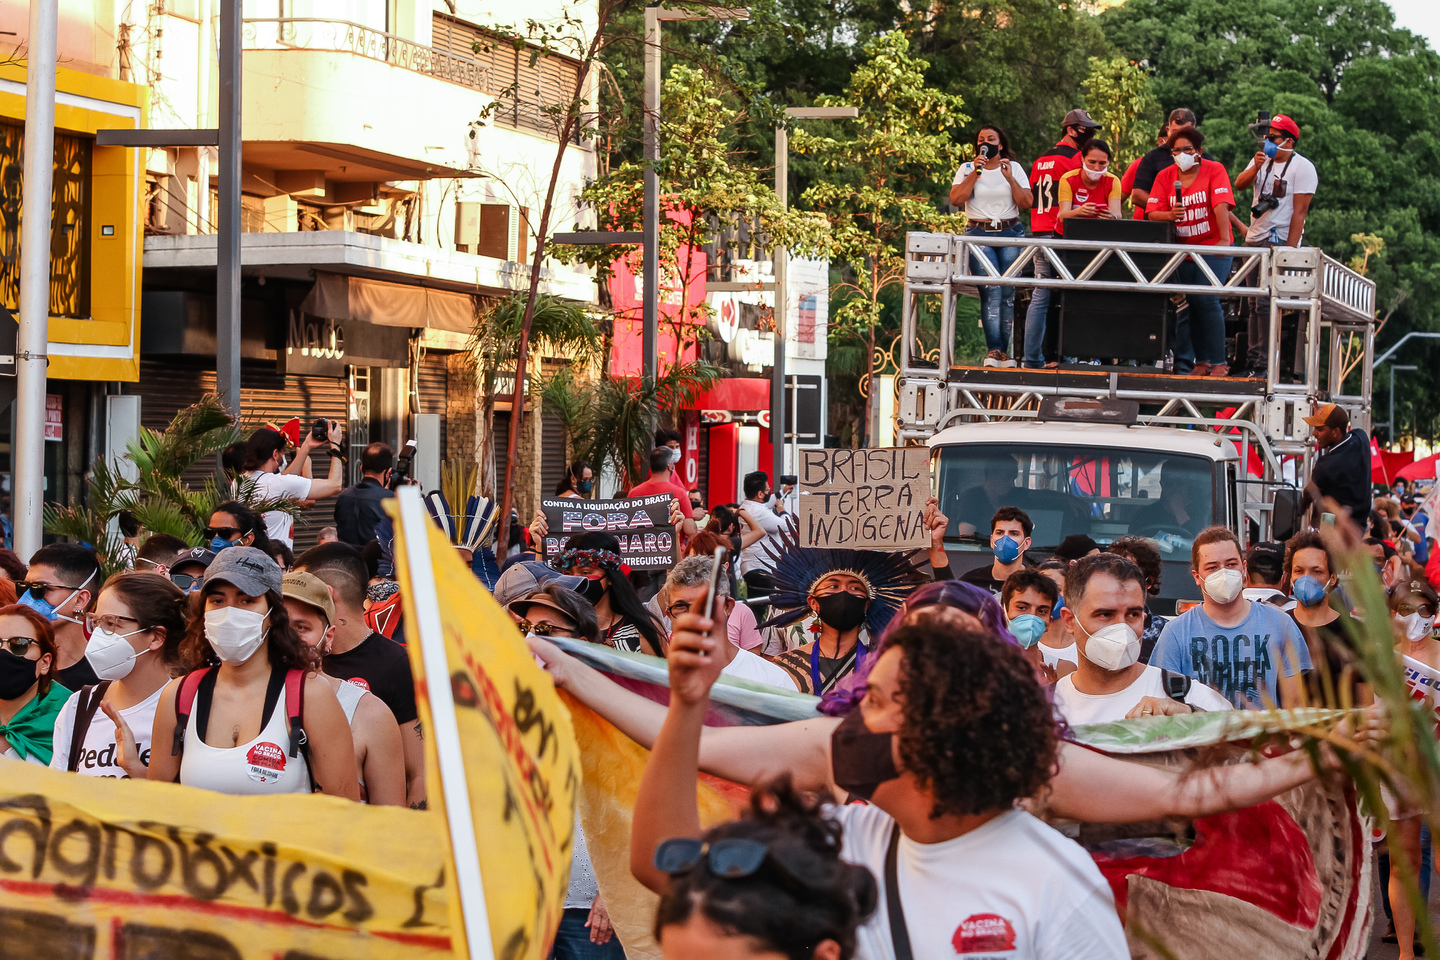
<point>379,756</point>
<point>237,735</point>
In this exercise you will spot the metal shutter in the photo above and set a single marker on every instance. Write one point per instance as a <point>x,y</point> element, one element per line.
<point>553,463</point>
<point>502,450</point>
<point>433,386</point>
<point>702,456</point>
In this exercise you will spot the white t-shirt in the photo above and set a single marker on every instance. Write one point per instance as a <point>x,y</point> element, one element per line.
<point>97,759</point>
<point>1081,708</point>
<point>272,486</point>
<point>1053,655</point>
<point>750,666</point>
<point>12,754</point>
<point>1013,889</point>
<point>1299,177</point>
<point>992,198</point>
<point>754,556</point>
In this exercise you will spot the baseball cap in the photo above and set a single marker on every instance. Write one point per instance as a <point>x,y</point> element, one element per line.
<point>1329,415</point>
<point>1266,553</point>
<point>201,555</point>
<point>309,590</point>
<point>1284,124</point>
<point>246,569</point>
<point>524,578</point>
<point>1079,118</point>
<point>1075,546</point>
<point>522,606</point>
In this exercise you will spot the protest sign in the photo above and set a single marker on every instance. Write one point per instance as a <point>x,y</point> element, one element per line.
<point>641,524</point>
<point>501,760</point>
<point>869,499</point>
<point>1424,684</point>
<point>92,867</point>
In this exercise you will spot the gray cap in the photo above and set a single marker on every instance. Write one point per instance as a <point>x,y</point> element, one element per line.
<point>246,569</point>
<point>527,576</point>
<point>1079,118</point>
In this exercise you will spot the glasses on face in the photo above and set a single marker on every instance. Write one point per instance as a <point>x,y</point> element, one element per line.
<point>1275,138</point>
<point>16,645</point>
<point>186,581</point>
<point>38,588</point>
<point>224,533</point>
<point>1179,150</point>
<point>546,629</point>
<point>109,621</point>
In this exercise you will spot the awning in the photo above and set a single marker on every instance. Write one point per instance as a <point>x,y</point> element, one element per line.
<point>339,297</point>
<point>736,393</point>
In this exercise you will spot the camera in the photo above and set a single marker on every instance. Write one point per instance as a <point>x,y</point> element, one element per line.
<point>1263,204</point>
<point>404,461</point>
<point>987,151</point>
<point>320,430</point>
<point>789,479</point>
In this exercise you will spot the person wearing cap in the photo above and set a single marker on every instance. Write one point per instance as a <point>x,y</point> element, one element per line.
<point>555,611</point>
<point>1158,159</point>
<point>1045,173</point>
<point>188,570</point>
<point>525,577</point>
<point>275,478</point>
<point>994,190</point>
<point>1276,171</point>
<point>1342,464</point>
<point>247,646</point>
<point>379,758</point>
<point>1264,572</point>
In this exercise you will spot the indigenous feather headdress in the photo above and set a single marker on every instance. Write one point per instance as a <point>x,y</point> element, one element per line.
<point>459,484</point>
<point>890,577</point>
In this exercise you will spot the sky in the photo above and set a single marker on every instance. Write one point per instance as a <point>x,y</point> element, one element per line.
<point>1419,16</point>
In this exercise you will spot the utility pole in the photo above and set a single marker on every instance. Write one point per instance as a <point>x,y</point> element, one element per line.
<point>28,456</point>
<point>227,247</point>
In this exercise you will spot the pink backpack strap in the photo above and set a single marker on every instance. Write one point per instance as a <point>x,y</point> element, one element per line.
<point>184,702</point>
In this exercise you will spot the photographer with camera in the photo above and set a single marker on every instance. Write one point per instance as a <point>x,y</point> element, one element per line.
<point>1284,183</point>
<point>276,479</point>
<point>359,507</point>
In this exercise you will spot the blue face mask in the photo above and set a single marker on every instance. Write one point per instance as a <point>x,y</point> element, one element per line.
<point>1309,591</point>
<point>584,486</point>
<point>50,610</point>
<point>1007,549</point>
<point>1028,629</point>
<point>1055,610</point>
<point>219,543</point>
<point>1270,147</point>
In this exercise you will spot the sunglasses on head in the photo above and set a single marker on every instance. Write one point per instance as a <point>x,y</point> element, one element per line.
<point>729,859</point>
<point>224,533</point>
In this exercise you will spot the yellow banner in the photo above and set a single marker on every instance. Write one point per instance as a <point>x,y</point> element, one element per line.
<point>521,763</point>
<point>94,867</point>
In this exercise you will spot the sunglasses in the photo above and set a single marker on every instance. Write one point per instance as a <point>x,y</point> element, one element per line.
<point>16,645</point>
<point>1275,138</point>
<point>185,581</point>
<point>730,859</point>
<point>546,629</point>
<point>38,588</point>
<point>224,533</point>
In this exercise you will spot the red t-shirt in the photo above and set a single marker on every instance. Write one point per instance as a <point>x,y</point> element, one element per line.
<point>1079,191</point>
<point>1127,186</point>
<point>648,488</point>
<point>1212,185</point>
<point>1045,177</point>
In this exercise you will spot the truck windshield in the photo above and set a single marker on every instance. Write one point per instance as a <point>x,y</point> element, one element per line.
<point>1103,493</point>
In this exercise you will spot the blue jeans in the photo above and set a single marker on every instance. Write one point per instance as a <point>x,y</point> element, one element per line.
<point>1036,315</point>
<point>997,304</point>
<point>1205,327</point>
<point>572,940</point>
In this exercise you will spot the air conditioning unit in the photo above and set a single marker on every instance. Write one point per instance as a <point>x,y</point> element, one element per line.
<point>491,230</point>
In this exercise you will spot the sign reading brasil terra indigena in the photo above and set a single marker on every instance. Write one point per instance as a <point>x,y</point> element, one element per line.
<point>864,498</point>
<point>642,525</point>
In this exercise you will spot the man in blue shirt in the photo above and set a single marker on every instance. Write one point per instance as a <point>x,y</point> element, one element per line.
<point>1253,653</point>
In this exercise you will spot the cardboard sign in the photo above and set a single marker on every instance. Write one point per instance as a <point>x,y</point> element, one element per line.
<point>1424,684</point>
<point>641,524</point>
<point>870,499</point>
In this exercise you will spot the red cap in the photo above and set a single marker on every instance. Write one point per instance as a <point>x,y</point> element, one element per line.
<point>1285,125</point>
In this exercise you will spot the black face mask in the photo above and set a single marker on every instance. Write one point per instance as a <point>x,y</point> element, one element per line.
<point>594,590</point>
<point>16,675</point>
<point>843,611</point>
<point>860,760</point>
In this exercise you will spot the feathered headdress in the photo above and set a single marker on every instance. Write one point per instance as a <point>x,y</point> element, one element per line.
<point>889,576</point>
<point>459,483</point>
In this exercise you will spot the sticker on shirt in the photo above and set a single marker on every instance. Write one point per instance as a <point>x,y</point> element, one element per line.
<point>360,682</point>
<point>983,933</point>
<point>265,763</point>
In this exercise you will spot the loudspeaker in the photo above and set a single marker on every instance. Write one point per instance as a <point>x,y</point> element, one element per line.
<point>1126,326</point>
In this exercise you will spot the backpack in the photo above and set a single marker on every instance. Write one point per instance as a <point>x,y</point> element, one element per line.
<point>85,708</point>
<point>294,713</point>
<point>1176,685</point>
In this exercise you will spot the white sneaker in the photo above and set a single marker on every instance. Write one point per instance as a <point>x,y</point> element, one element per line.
<point>998,358</point>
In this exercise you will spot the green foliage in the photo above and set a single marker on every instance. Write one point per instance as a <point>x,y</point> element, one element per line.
<point>1118,95</point>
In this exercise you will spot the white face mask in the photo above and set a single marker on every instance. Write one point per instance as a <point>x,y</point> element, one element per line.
<point>1186,162</point>
<point>1223,586</point>
<point>235,633</point>
<point>1095,174</point>
<point>1113,647</point>
<point>110,654</point>
<point>675,455</point>
<point>1416,627</point>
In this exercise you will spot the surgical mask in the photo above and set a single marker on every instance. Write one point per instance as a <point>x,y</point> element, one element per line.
<point>1186,162</point>
<point>110,655</point>
<point>1270,148</point>
<point>50,611</point>
<point>1095,174</point>
<point>17,674</point>
<point>235,633</point>
<point>1416,626</point>
<point>675,455</point>
<point>1223,586</point>
<point>584,486</point>
<point>1309,591</point>
<point>219,543</point>
<point>861,760</point>
<point>843,611</point>
<point>1007,549</point>
<point>1028,629</point>
<point>1113,647</point>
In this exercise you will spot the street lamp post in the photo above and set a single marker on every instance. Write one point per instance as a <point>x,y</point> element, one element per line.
<point>781,260</point>
<point>1390,426</point>
<point>650,271</point>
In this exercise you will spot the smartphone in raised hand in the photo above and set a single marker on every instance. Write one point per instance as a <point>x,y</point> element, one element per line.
<point>715,568</point>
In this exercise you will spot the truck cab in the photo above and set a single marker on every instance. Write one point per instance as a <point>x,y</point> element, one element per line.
<point>1102,480</point>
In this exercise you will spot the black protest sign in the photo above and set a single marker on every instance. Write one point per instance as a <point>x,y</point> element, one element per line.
<point>870,499</point>
<point>642,525</point>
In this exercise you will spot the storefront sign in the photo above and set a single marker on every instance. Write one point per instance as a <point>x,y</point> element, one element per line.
<point>642,525</point>
<point>314,345</point>
<point>870,499</point>
<point>54,417</point>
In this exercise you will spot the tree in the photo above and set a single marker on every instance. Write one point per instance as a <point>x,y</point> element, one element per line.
<point>1118,95</point>
<point>886,180</point>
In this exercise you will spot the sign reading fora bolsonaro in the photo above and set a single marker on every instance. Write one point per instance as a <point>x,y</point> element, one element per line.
<point>870,499</point>
<point>641,524</point>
